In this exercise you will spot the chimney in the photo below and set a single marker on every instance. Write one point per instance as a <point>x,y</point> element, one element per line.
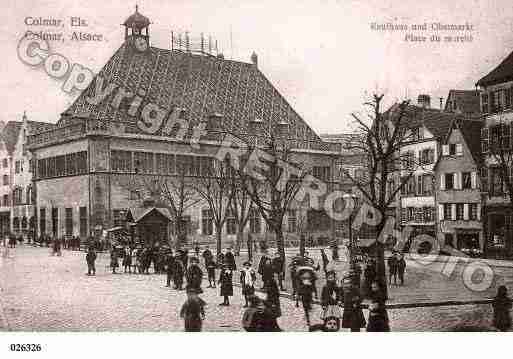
<point>254,59</point>
<point>424,101</point>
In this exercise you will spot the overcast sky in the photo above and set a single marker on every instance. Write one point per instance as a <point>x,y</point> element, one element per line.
<point>322,56</point>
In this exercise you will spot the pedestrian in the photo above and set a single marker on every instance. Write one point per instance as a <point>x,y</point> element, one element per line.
<point>197,250</point>
<point>392,268</point>
<point>401,267</point>
<point>265,268</point>
<point>247,282</point>
<point>194,275</point>
<point>332,297</point>
<point>193,311</point>
<point>114,259</point>
<point>178,271</point>
<point>272,300</point>
<point>259,317</point>
<point>377,293</point>
<point>369,275</point>
<point>278,267</point>
<point>352,316</point>
<point>210,265</point>
<point>170,261</point>
<point>378,317</point>
<point>226,284</point>
<point>325,261</point>
<point>127,260</point>
<point>91,259</point>
<point>501,309</point>
<point>229,259</point>
<point>306,288</point>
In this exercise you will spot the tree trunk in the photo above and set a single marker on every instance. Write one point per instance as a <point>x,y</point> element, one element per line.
<point>238,242</point>
<point>181,236</point>
<point>379,255</point>
<point>280,243</point>
<point>219,231</point>
<point>302,243</point>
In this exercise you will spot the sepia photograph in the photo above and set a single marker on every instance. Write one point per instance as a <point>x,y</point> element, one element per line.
<point>255,166</point>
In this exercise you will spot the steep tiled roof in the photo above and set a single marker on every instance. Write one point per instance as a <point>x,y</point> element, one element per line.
<point>10,134</point>
<point>471,131</point>
<point>202,85</point>
<point>436,121</point>
<point>502,73</point>
<point>466,101</point>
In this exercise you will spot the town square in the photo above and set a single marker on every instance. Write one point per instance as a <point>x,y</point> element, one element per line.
<point>191,167</point>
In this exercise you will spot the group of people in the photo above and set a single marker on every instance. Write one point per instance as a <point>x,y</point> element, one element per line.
<point>396,267</point>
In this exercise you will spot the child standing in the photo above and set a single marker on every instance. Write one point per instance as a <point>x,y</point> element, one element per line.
<point>501,308</point>
<point>225,281</point>
<point>90,259</point>
<point>247,281</point>
<point>193,311</point>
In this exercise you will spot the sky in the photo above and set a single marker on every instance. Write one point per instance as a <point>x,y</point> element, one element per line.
<point>323,56</point>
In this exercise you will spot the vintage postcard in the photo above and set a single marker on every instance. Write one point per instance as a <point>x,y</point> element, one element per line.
<point>255,166</point>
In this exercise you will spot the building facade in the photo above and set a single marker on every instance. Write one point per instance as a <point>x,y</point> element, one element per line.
<point>110,145</point>
<point>458,189</point>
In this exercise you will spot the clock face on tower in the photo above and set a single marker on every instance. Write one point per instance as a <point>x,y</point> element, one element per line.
<point>140,43</point>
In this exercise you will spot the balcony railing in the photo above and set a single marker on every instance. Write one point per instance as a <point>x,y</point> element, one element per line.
<point>66,133</point>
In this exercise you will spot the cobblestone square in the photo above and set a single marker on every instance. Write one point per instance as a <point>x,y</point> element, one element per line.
<point>40,292</point>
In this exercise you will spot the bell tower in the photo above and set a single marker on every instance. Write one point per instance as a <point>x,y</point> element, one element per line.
<point>137,30</point>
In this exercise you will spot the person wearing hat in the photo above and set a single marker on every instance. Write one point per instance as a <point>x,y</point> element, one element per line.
<point>114,259</point>
<point>265,268</point>
<point>247,281</point>
<point>229,259</point>
<point>225,281</point>
<point>193,311</point>
<point>210,265</point>
<point>169,264</point>
<point>194,275</point>
<point>178,271</point>
<point>278,265</point>
<point>90,259</point>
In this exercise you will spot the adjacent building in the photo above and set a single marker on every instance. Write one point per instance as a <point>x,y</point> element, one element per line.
<point>458,188</point>
<point>496,89</point>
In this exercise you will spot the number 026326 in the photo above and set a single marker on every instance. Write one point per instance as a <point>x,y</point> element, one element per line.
<point>25,347</point>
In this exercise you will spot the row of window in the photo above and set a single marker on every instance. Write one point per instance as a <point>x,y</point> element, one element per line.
<point>496,101</point>
<point>160,163</point>
<point>63,165</point>
<point>425,157</point>
<point>421,185</point>
<point>68,221</point>
<point>492,181</point>
<point>459,211</point>
<point>452,149</point>
<point>17,196</point>
<point>495,137</point>
<point>418,214</point>
<point>458,180</point>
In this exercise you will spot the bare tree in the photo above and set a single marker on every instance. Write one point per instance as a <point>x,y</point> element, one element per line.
<point>274,187</point>
<point>240,207</point>
<point>382,136</point>
<point>216,188</point>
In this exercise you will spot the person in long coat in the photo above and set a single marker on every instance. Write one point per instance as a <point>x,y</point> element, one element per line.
<point>170,262</point>
<point>226,284</point>
<point>378,318</point>
<point>90,259</point>
<point>193,311</point>
<point>352,317</point>
<point>265,269</point>
<point>392,268</point>
<point>247,282</point>
<point>114,259</point>
<point>369,276</point>
<point>401,268</point>
<point>501,309</point>
<point>229,260</point>
<point>194,275</point>
<point>127,260</point>
<point>278,268</point>
<point>178,272</point>
<point>259,317</point>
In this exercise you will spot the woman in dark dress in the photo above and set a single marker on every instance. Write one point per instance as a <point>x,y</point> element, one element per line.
<point>501,309</point>
<point>226,284</point>
<point>114,260</point>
